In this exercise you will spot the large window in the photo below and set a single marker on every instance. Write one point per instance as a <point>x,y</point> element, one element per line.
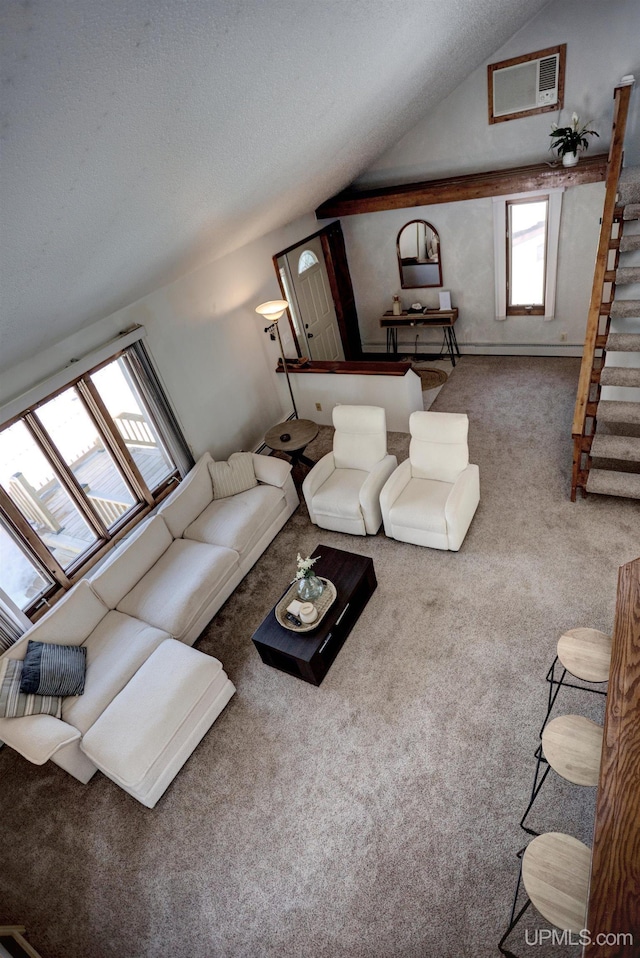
<point>22,578</point>
<point>77,469</point>
<point>526,234</point>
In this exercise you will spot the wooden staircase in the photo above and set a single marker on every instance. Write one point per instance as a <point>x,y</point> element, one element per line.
<point>606,425</point>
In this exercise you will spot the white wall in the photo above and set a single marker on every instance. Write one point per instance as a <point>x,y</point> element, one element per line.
<point>212,355</point>
<point>208,344</point>
<point>400,395</point>
<point>602,45</point>
<point>466,249</point>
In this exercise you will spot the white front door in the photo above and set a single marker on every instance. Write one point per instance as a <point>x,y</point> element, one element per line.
<point>316,309</point>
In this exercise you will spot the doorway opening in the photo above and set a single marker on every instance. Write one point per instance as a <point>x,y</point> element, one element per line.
<point>314,279</point>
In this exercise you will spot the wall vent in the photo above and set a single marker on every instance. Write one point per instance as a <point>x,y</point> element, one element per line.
<point>526,85</point>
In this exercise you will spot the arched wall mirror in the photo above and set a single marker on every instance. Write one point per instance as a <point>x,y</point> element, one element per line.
<point>418,246</point>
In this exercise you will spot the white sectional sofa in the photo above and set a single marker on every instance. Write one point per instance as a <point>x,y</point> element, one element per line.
<point>164,583</point>
<point>117,646</point>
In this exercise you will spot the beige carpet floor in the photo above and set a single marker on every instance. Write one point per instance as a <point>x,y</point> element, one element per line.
<point>375,816</point>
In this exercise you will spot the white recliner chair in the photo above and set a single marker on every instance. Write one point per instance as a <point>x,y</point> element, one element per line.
<point>342,491</point>
<point>432,496</point>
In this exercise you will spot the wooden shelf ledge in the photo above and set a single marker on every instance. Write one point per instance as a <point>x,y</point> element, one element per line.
<point>349,368</point>
<point>470,186</point>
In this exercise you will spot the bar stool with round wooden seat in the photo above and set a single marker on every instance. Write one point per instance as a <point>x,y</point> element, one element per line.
<point>586,655</point>
<point>555,871</point>
<point>572,747</point>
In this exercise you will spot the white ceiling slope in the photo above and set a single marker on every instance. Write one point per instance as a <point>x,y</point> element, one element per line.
<point>144,138</point>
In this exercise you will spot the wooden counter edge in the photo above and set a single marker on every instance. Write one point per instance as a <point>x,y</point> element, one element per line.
<point>350,368</point>
<point>615,867</point>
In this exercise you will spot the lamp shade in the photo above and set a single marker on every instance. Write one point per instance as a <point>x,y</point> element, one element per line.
<point>272,310</point>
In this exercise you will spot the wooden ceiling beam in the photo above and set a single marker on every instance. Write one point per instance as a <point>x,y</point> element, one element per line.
<point>470,186</point>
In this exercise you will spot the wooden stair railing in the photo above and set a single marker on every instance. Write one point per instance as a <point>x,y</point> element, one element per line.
<point>586,403</point>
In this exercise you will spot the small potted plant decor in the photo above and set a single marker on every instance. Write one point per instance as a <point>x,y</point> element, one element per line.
<point>310,586</point>
<point>568,141</point>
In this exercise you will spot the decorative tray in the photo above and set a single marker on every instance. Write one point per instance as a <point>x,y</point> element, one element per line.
<point>322,604</point>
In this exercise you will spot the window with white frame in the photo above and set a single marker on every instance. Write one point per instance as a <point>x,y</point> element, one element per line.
<point>78,468</point>
<point>526,233</point>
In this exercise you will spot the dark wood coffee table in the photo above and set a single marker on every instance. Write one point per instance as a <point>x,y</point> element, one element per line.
<point>309,655</point>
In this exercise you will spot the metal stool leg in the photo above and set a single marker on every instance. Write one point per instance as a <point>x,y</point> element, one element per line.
<point>552,695</point>
<point>514,921</point>
<point>557,683</point>
<point>536,788</point>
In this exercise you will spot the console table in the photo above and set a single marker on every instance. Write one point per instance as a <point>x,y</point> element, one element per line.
<point>434,318</point>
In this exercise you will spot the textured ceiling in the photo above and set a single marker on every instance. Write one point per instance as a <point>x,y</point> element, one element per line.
<point>144,138</point>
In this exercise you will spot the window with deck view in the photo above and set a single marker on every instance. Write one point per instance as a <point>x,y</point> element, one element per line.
<point>76,470</point>
<point>526,232</point>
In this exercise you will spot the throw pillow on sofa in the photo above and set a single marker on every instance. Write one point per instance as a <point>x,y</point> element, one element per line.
<point>234,476</point>
<point>14,703</point>
<point>50,669</point>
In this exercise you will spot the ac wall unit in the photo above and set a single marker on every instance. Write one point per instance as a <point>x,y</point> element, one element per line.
<point>525,85</point>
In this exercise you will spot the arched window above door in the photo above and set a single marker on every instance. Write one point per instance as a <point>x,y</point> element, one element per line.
<point>306,261</point>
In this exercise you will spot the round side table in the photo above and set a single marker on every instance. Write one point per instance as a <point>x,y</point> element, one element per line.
<point>292,438</point>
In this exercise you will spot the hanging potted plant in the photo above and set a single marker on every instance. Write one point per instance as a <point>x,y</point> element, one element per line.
<point>568,141</point>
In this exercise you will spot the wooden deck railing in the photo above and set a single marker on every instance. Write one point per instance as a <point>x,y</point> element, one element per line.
<point>134,429</point>
<point>614,166</point>
<point>109,510</point>
<point>29,500</point>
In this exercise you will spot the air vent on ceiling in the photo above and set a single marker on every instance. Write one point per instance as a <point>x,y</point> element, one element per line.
<point>526,85</point>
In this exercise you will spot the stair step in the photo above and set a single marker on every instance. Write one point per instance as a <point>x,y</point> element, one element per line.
<point>609,410</point>
<point>608,483</point>
<point>623,342</point>
<point>620,376</point>
<point>625,309</point>
<point>626,448</point>
<point>631,211</point>
<point>631,242</point>
<point>627,274</point>
<point>629,185</point>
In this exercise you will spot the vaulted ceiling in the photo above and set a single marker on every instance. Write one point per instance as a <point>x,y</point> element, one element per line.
<point>144,138</point>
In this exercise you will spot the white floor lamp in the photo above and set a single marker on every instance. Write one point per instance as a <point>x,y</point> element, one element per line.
<point>272,311</point>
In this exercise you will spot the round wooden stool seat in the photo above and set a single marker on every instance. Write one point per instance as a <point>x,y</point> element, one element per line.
<point>572,745</point>
<point>586,653</point>
<point>555,874</point>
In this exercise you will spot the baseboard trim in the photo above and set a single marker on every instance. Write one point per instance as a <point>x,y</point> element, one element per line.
<point>490,349</point>
<point>523,349</point>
